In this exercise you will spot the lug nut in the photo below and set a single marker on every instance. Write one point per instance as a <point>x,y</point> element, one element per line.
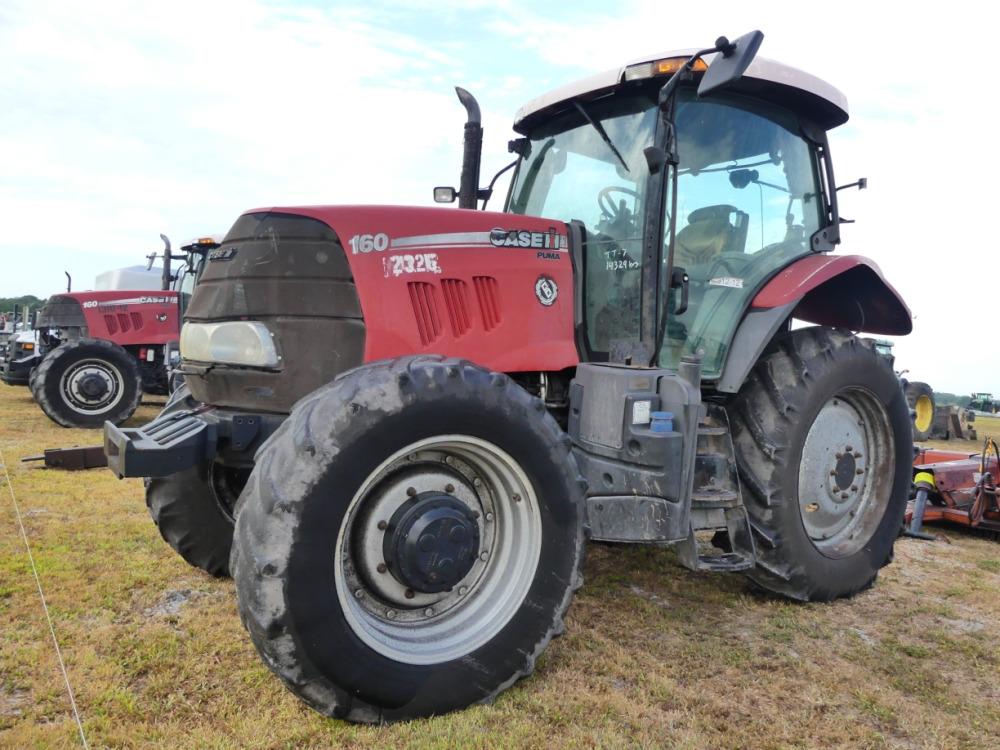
<point>516,498</point>
<point>449,460</point>
<point>409,594</point>
<point>854,488</point>
<point>859,472</point>
<point>390,613</point>
<point>484,556</point>
<point>463,590</point>
<point>477,482</point>
<point>833,473</point>
<point>382,568</point>
<point>359,594</point>
<point>411,491</point>
<point>429,611</point>
<point>382,525</point>
<point>489,516</point>
<point>449,488</point>
<point>849,449</point>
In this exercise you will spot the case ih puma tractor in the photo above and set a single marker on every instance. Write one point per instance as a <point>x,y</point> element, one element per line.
<point>414,417</point>
<point>97,352</point>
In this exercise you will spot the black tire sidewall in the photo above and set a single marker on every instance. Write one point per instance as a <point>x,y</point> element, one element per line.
<point>185,509</point>
<point>840,576</point>
<point>316,620</point>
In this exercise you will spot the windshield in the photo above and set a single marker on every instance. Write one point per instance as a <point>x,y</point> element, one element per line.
<point>748,201</point>
<point>571,173</point>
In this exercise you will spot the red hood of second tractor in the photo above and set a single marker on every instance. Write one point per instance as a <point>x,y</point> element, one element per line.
<point>126,316</point>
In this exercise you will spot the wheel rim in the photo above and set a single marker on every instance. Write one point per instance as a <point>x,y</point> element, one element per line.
<point>846,472</point>
<point>925,413</point>
<point>424,627</point>
<point>92,386</point>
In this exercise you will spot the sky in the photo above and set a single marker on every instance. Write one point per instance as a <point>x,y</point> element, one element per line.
<point>121,120</point>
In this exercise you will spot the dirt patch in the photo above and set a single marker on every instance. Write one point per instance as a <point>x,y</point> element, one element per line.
<point>171,602</point>
<point>12,702</point>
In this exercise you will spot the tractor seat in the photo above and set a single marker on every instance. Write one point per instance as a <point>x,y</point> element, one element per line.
<point>709,232</point>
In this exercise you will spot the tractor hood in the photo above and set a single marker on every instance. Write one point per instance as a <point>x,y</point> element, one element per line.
<point>125,316</point>
<point>496,288</point>
<point>336,286</point>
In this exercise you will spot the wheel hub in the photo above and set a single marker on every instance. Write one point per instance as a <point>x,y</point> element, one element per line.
<point>93,386</point>
<point>839,494</point>
<point>432,542</point>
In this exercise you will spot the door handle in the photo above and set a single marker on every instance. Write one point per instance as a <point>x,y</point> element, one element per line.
<point>679,279</point>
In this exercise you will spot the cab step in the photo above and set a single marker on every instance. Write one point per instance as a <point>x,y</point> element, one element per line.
<point>720,539</point>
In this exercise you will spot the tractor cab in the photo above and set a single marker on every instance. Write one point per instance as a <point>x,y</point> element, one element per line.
<point>752,195</point>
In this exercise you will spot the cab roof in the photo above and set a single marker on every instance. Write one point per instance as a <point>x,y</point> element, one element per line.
<point>802,92</point>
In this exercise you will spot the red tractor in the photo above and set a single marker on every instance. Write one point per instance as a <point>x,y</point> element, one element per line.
<point>99,351</point>
<point>415,417</point>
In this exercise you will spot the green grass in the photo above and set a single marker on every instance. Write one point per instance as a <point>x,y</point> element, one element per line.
<point>654,655</point>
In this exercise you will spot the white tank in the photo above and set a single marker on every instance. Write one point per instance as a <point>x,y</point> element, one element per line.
<point>132,277</point>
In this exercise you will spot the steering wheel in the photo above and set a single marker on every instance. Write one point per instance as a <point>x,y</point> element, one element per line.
<point>608,207</point>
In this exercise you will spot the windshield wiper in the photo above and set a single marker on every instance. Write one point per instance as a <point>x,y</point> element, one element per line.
<point>601,132</point>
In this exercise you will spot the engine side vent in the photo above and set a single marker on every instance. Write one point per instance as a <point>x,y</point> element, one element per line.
<point>123,322</point>
<point>456,301</point>
<point>136,320</point>
<point>423,297</point>
<point>488,295</point>
<point>112,323</point>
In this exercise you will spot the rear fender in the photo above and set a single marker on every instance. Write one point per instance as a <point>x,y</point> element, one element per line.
<point>837,291</point>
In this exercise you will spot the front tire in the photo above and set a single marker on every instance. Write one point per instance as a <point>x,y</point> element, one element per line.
<point>373,478</point>
<point>823,444</point>
<point>192,509</point>
<point>86,382</point>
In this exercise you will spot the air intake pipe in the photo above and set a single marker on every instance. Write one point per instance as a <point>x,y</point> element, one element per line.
<point>166,279</point>
<point>468,186</point>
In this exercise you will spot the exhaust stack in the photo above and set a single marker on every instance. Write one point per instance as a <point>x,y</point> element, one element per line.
<point>468,186</point>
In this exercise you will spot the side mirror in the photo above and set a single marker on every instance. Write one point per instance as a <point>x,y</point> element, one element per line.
<point>861,184</point>
<point>445,195</point>
<point>731,62</point>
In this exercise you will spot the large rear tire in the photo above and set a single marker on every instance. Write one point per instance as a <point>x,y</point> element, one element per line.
<point>191,512</point>
<point>920,399</point>
<point>823,444</point>
<point>409,540</point>
<point>86,382</point>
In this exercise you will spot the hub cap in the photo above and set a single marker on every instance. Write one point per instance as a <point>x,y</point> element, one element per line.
<point>92,386</point>
<point>846,472</point>
<point>431,542</point>
<point>925,413</point>
<point>438,549</point>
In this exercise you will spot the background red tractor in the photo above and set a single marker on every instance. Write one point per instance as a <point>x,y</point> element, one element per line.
<point>97,352</point>
<point>414,417</point>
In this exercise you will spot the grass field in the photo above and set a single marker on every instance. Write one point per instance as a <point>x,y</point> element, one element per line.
<point>654,655</point>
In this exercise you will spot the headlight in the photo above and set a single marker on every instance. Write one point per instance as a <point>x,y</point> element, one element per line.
<point>237,342</point>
